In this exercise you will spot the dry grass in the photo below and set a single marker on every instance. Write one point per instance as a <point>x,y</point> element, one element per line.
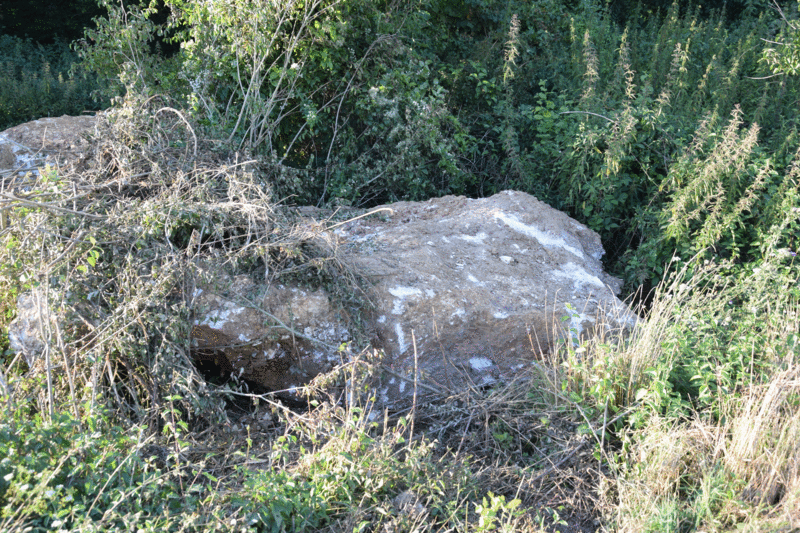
<point>729,461</point>
<point>115,244</point>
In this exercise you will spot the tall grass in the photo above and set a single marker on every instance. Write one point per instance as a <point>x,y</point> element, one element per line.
<point>708,386</point>
<point>707,474</point>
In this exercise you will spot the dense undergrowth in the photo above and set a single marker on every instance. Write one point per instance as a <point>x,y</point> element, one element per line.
<point>37,81</point>
<point>668,135</point>
<point>674,135</point>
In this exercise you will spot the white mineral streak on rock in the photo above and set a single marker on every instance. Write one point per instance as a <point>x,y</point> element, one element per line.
<point>401,338</point>
<point>544,239</point>
<point>401,294</point>
<point>474,239</point>
<point>579,276</point>
<point>459,314</point>
<point>23,158</point>
<point>25,331</point>
<point>219,317</point>
<point>480,363</point>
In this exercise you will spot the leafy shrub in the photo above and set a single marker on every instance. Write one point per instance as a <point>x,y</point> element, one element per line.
<point>84,474</point>
<point>327,93</point>
<point>118,51</point>
<point>341,99</point>
<point>349,101</point>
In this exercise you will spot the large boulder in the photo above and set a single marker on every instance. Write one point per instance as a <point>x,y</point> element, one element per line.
<point>27,146</point>
<point>467,292</point>
<point>463,293</point>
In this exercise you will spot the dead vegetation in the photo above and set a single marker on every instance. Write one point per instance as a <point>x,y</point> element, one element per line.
<point>116,242</point>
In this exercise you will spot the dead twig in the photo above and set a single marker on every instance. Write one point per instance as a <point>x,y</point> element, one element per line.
<point>50,207</point>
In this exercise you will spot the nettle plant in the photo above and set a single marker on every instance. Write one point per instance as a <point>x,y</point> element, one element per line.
<point>674,143</point>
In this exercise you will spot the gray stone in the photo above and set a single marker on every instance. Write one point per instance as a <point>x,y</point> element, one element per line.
<point>50,140</point>
<point>471,291</point>
<point>464,293</point>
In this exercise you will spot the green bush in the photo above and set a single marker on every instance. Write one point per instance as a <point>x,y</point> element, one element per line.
<point>37,81</point>
<point>329,94</point>
<point>651,136</point>
<point>351,102</point>
<point>85,474</point>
